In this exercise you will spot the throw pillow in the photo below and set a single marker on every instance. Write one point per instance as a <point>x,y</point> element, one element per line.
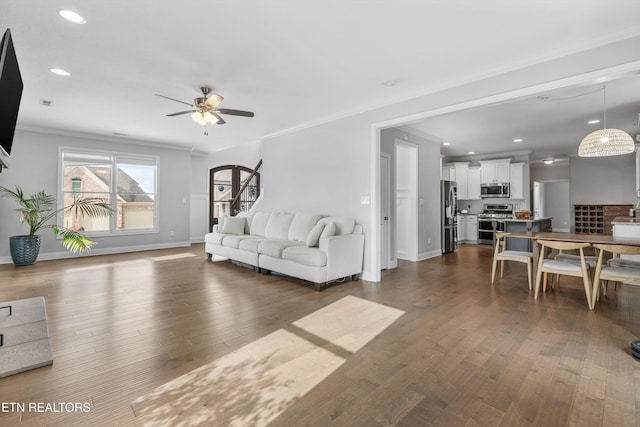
<point>314,235</point>
<point>220,222</point>
<point>329,230</point>
<point>233,225</point>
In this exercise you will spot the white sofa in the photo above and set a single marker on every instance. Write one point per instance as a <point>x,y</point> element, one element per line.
<point>306,246</point>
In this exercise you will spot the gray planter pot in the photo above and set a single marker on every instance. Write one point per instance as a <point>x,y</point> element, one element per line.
<point>24,249</point>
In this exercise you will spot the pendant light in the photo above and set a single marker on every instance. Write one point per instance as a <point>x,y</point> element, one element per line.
<point>606,142</point>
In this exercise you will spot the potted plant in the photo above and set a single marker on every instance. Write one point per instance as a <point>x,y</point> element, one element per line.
<point>37,210</point>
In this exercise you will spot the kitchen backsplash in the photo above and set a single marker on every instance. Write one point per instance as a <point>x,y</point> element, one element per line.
<point>476,206</point>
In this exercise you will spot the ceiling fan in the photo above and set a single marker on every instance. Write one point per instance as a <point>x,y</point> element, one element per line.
<point>204,109</point>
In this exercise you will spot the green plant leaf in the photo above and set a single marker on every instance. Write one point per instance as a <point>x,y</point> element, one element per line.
<point>72,240</point>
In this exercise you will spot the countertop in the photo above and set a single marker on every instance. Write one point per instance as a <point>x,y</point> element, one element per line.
<point>538,219</point>
<point>626,220</point>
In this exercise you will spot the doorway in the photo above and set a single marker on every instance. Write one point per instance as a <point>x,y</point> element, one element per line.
<point>406,201</point>
<point>552,199</point>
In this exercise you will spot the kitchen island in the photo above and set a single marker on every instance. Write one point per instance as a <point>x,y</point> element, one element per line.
<point>626,226</point>
<point>517,225</point>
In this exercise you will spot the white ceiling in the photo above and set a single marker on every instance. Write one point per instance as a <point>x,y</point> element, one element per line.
<point>292,62</point>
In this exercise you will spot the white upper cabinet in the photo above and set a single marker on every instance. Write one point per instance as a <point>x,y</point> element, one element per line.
<point>448,172</point>
<point>637,170</point>
<point>462,172</point>
<point>495,171</point>
<point>473,183</point>
<point>517,180</point>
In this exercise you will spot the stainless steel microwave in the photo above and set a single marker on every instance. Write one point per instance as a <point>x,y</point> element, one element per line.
<point>495,190</point>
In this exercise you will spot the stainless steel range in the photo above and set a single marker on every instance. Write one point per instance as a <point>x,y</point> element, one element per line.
<point>492,219</point>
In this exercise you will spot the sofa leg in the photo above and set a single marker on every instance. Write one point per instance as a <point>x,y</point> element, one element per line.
<point>355,277</point>
<point>265,271</point>
<point>320,286</point>
<point>209,256</point>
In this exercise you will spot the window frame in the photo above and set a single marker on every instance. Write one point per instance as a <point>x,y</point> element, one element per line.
<point>115,157</point>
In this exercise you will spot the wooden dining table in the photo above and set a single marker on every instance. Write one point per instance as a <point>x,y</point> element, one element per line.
<point>534,236</point>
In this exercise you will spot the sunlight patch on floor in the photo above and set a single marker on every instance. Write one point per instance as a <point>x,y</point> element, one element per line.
<point>256,383</point>
<point>106,265</point>
<point>175,256</point>
<point>349,323</point>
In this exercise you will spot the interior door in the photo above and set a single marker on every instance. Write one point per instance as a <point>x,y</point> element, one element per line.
<point>385,211</point>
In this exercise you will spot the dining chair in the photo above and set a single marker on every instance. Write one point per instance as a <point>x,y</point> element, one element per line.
<point>617,269</point>
<point>559,267</point>
<point>502,254</point>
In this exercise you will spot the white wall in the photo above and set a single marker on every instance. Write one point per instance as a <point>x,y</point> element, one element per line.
<point>603,180</point>
<point>34,167</point>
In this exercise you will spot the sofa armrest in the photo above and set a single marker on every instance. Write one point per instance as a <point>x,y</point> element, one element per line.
<point>344,255</point>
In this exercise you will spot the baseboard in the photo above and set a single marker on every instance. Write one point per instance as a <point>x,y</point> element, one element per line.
<point>107,251</point>
<point>196,239</point>
<point>430,254</point>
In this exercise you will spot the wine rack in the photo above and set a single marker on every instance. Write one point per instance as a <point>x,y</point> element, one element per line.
<point>596,219</point>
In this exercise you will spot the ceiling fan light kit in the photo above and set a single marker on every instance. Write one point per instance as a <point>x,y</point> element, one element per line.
<point>204,109</point>
<point>606,142</point>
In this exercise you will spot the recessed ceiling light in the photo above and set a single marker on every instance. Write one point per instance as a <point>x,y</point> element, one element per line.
<point>517,140</point>
<point>446,143</point>
<point>593,122</point>
<point>71,16</point>
<point>59,71</point>
<point>547,161</point>
<point>472,152</point>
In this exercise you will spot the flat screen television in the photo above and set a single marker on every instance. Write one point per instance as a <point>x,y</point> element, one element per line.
<point>10,95</point>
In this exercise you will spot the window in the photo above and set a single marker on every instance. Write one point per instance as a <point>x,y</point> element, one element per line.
<point>127,182</point>
<point>76,186</point>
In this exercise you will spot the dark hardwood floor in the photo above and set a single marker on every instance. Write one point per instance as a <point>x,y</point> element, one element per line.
<point>464,353</point>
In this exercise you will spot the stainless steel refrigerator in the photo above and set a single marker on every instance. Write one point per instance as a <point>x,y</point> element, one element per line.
<point>448,215</point>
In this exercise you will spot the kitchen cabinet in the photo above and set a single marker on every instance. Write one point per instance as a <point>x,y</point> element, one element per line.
<point>471,231</point>
<point>516,178</point>
<point>637,170</point>
<point>468,228</point>
<point>462,227</point>
<point>462,173</point>
<point>448,172</point>
<point>495,171</point>
<point>473,183</point>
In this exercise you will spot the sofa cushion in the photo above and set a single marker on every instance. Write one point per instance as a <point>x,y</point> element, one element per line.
<point>343,225</point>
<point>215,238</point>
<point>259,223</point>
<point>278,225</point>
<point>314,235</point>
<point>274,247</point>
<point>301,225</point>
<point>250,245</point>
<point>249,217</point>
<point>233,240</point>
<point>306,256</point>
<point>329,230</point>
<point>233,225</point>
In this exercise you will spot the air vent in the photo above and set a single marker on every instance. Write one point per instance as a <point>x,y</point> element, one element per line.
<point>46,103</point>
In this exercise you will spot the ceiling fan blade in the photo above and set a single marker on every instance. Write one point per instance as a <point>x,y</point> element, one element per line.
<point>179,113</point>
<point>173,99</point>
<point>234,112</point>
<point>220,120</point>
